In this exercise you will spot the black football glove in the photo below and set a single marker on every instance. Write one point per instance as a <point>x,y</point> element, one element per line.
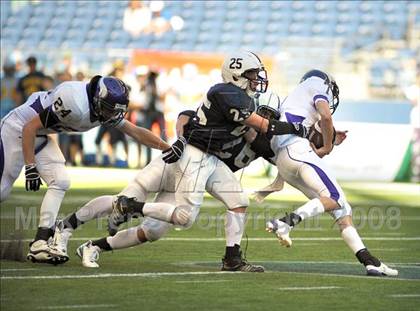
<point>33,179</point>
<point>174,153</point>
<point>276,127</point>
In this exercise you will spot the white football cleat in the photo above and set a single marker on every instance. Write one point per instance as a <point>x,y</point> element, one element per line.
<point>39,251</point>
<point>60,241</point>
<point>281,229</point>
<point>89,254</point>
<point>382,270</point>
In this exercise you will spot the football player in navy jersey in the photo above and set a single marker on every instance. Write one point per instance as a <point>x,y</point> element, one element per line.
<point>159,178</point>
<point>225,115</point>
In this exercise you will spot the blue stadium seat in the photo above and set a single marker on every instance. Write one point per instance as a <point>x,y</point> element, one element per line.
<point>209,25</point>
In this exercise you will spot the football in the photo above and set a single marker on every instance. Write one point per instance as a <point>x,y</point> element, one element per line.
<point>315,135</point>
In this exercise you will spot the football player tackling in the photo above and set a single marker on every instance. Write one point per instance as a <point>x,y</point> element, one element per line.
<point>227,113</point>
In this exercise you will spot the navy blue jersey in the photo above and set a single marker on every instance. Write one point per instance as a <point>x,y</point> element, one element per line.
<point>240,153</point>
<point>216,125</point>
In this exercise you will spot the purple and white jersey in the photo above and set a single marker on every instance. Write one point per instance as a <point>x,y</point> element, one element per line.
<point>300,106</point>
<point>68,103</point>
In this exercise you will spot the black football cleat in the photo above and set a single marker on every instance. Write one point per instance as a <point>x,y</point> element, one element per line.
<point>122,210</point>
<point>238,263</point>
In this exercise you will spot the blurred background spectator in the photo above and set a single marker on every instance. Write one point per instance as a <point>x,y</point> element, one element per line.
<point>137,18</point>
<point>8,97</point>
<point>30,83</point>
<point>153,108</point>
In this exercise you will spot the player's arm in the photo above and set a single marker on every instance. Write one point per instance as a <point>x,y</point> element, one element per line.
<point>28,139</point>
<point>143,136</point>
<point>175,151</point>
<point>180,124</point>
<point>327,128</point>
<point>45,119</point>
<point>274,127</point>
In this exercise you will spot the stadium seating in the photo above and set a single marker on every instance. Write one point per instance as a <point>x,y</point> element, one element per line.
<point>209,25</point>
<point>97,20</point>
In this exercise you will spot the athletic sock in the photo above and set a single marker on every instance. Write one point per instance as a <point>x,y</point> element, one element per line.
<point>96,208</point>
<point>234,228</point>
<point>50,207</point>
<point>71,222</point>
<point>311,208</point>
<point>353,240</point>
<point>366,258</point>
<point>232,251</point>
<point>102,244</point>
<point>124,239</point>
<point>43,233</point>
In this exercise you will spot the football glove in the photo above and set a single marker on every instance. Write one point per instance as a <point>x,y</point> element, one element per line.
<point>174,153</point>
<point>276,127</point>
<point>33,179</point>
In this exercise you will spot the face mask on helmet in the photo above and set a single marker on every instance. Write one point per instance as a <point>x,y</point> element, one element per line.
<point>258,81</point>
<point>268,105</point>
<point>336,99</point>
<point>111,100</point>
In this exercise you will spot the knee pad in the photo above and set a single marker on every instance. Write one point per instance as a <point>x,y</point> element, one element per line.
<point>241,200</point>
<point>60,184</point>
<point>56,176</point>
<point>154,229</point>
<point>342,211</point>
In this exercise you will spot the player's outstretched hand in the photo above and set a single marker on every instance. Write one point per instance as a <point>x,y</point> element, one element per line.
<point>340,136</point>
<point>33,179</point>
<point>174,153</point>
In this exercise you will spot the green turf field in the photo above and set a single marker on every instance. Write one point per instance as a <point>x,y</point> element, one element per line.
<point>182,271</point>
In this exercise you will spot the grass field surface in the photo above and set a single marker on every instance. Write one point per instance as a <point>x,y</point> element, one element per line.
<point>182,271</point>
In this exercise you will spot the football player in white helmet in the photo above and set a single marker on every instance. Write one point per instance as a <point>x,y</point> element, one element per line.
<point>226,114</point>
<point>72,106</point>
<point>245,70</point>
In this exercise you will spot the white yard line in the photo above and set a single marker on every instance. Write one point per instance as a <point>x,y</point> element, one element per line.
<point>405,296</point>
<point>208,281</point>
<point>109,275</point>
<point>402,264</point>
<point>26,269</point>
<point>309,288</point>
<point>195,273</point>
<point>415,238</point>
<point>76,307</point>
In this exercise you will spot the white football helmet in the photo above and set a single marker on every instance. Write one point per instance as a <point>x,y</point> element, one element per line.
<point>268,105</point>
<point>245,70</point>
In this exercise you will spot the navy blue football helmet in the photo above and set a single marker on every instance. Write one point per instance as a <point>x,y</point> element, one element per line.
<point>111,100</point>
<point>328,80</point>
